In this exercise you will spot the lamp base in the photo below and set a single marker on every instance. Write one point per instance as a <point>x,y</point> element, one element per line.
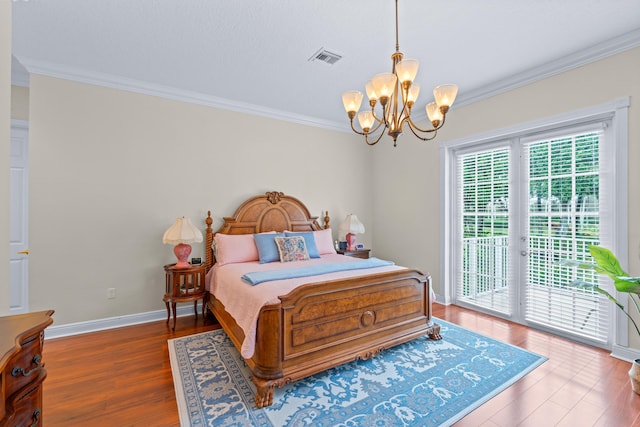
<point>182,252</point>
<point>351,241</point>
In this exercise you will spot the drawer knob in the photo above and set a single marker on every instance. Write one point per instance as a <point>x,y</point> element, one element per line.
<point>35,417</point>
<point>367,318</point>
<point>37,359</point>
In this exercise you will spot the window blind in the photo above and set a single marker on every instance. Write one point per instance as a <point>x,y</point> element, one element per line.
<point>564,218</point>
<point>483,228</point>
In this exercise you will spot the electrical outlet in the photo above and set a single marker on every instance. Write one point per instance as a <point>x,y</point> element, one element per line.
<point>111,293</point>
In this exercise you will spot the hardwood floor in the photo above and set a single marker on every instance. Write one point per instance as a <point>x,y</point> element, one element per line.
<point>578,386</point>
<point>122,377</point>
<point>119,377</point>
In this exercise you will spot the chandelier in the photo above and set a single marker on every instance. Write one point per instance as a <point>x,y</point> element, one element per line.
<point>397,94</point>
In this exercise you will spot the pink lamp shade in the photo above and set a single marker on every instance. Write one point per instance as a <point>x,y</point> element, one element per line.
<point>181,234</point>
<point>351,226</point>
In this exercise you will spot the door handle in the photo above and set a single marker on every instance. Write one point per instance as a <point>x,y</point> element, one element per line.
<point>25,252</point>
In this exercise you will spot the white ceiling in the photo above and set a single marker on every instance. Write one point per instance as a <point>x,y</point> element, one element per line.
<point>254,55</point>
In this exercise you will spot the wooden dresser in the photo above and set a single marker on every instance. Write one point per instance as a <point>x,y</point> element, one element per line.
<point>21,368</point>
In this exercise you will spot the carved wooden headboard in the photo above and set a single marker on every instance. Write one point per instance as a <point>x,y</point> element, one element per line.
<point>272,212</point>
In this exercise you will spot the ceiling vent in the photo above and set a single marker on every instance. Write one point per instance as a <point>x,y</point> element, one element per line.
<point>325,56</point>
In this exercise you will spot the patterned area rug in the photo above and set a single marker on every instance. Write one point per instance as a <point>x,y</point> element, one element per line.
<point>419,383</point>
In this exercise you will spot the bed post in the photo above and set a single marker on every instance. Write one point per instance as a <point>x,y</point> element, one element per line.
<point>208,243</point>
<point>326,219</point>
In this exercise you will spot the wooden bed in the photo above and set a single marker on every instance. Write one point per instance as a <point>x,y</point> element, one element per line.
<point>324,324</point>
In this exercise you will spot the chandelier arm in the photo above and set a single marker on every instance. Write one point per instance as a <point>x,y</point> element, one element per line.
<point>412,125</point>
<point>370,130</point>
<point>378,121</point>
<point>356,130</point>
<point>366,138</point>
<point>385,112</point>
<point>405,102</point>
<point>425,138</point>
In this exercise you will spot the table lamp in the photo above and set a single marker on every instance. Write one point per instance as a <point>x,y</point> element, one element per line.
<point>181,234</point>
<point>351,225</point>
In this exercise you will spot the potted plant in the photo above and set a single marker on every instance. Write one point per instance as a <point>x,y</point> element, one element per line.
<point>606,263</point>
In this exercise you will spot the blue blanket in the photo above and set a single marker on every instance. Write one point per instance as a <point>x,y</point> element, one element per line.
<point>257,277</point>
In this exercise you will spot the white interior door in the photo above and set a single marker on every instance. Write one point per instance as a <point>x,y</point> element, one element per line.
<point>18,219</point>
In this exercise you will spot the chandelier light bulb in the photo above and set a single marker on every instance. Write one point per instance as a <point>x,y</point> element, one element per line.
<point>371,92</point>
<point>413,92</point>
<point>407,69</point>
<point>433,112</point>
<point>352,100</point>
<point>384,84</point>
<point>445,95</point>
<point>366,119</point>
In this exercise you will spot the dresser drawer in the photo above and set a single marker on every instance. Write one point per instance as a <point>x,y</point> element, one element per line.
<point>21,368</point>
<point>27,403</point>
<point>25,366</point>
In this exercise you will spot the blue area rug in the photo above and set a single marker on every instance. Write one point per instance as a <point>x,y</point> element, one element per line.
<point>419,383</point>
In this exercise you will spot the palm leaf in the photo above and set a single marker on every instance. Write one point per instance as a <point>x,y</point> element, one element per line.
<point>579,264</point>
<point>630,285</point>
<point>595,288</point>
<point>606,261</point>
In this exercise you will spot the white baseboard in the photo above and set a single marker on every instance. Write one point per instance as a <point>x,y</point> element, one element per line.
<point>625,353</point>
<point>58,331</point>
<point>441,300</point>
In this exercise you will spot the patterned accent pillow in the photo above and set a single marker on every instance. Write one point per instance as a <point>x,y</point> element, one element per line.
<point>309,240</point>
<point>292,249</point>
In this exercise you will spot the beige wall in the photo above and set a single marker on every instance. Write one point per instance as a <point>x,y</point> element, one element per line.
<point>407,178</point>
<point>110,165</point>
<point>5,132</point>
<point>19,103</point>
<point>110,170</point>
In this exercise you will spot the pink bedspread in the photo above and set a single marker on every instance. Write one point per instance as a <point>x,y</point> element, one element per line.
<point>243,301</point>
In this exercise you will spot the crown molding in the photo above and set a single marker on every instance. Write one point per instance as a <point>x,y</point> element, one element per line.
<point>597,52</point>
<point>600,51</point>
<point>137,86</point>
<point>19,75</point>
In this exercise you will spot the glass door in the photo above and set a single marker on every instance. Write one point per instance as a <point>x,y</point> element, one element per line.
<point>484,221</point>
<point>563,219</point>
<point>522,207</point>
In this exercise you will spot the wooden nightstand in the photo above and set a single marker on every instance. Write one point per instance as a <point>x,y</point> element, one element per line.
<point>358,253</point>
<point>183,285</point>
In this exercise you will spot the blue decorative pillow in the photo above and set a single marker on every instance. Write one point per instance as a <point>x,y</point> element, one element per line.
<point>292,249</point>
<point>267,249</point>
<point>309,240</point>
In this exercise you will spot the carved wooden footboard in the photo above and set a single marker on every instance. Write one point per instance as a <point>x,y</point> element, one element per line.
<point>321,325</point>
